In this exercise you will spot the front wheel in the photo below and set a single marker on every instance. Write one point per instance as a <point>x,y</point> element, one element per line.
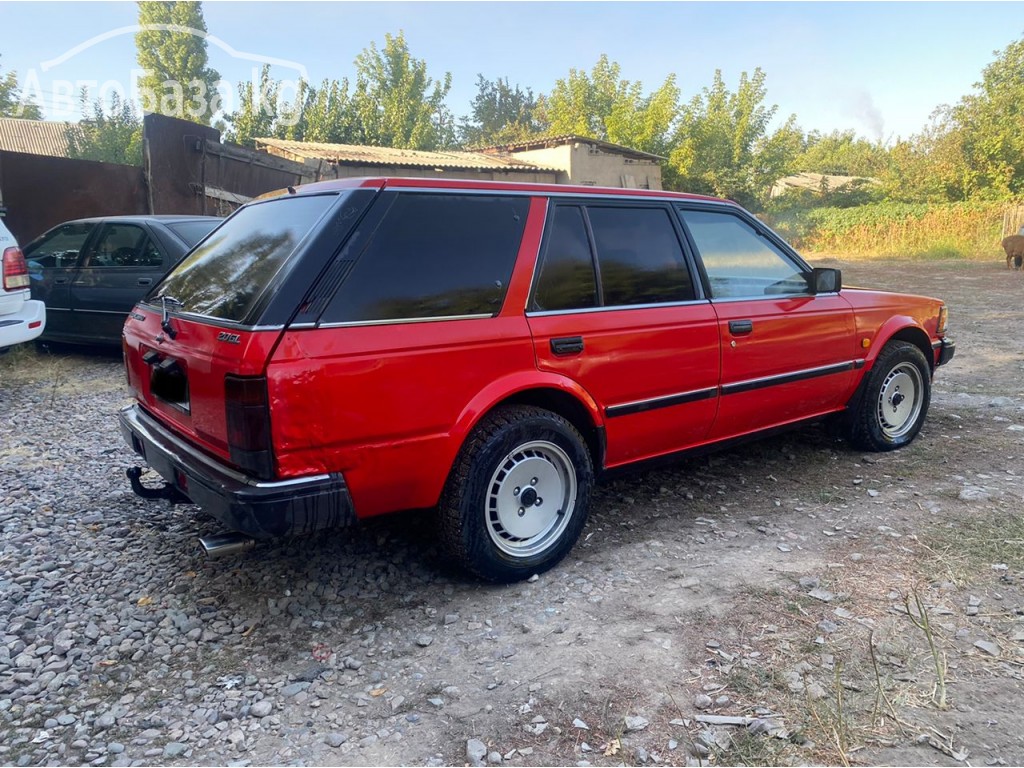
<point>518,495</point>
<point>895,399</point>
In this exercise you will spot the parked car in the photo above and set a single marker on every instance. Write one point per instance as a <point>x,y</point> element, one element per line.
<point>352,348</point>
<point>90,272</point>
<point>21,318</point>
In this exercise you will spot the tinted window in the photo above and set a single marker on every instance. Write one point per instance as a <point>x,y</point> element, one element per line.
<point>434,256</point>
<point>565,278</point>
<point>59,247</point>
<point>738,261</point>
<point>192,231</point>
<point>228,273</point>
<point>640,257</point>
<point>123,245</point>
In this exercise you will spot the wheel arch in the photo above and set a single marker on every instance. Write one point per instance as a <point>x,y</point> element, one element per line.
<point>570,408</point>
<point>902,329</point>
<point>554,393</point>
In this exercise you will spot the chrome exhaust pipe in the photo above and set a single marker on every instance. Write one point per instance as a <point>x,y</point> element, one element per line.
<point>223,544</point>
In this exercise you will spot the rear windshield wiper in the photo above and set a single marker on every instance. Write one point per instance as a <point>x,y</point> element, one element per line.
<point>165,319</point>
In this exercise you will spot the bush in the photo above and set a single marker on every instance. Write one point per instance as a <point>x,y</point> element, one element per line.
<point>915,230</point>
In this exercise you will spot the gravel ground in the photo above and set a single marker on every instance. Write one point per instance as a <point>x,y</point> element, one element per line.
<point>121,645</point>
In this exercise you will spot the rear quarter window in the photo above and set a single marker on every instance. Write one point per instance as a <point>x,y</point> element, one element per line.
<point>434,255</point>
<point>227,274</point>
<point>191,232</point>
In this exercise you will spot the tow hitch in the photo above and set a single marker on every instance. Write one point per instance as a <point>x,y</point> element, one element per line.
<point>165,491</point>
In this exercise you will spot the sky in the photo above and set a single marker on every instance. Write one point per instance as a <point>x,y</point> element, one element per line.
<point>877,68</point>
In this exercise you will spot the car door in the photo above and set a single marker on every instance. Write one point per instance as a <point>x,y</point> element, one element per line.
<point>53,261</point>
<point>119,267</point>
<point>615,307</point>
<point>787,354</point>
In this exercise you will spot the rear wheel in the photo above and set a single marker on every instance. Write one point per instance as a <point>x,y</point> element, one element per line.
<point>895,399</point>
<point>518,495</point>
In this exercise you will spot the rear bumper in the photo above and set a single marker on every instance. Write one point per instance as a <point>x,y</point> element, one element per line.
<point>24,325</point>
<point>259,509</point>
<point>946,349</point>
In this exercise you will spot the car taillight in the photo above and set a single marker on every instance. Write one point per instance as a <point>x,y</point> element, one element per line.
<point>247,408</point>
<point>15,270</point>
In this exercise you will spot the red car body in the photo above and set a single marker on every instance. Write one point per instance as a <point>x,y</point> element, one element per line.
<point>378,412</point>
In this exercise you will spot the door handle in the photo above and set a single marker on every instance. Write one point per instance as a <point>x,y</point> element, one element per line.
<point>739,327</point>
<point>145,281</point>
<point>59,280</point>
<point>569,345</point>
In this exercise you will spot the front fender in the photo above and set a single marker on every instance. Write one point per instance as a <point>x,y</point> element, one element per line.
<point>904,328</point>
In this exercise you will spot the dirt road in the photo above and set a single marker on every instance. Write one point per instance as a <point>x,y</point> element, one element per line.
<point>794,587</point>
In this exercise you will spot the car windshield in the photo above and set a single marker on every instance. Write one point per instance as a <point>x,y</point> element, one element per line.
<point>227,274</point>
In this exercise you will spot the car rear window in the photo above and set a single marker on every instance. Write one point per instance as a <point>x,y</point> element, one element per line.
<point>191,232</point>
<point>225,277</point>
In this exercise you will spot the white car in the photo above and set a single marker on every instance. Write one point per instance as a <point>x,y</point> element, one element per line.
<point>21,318</point>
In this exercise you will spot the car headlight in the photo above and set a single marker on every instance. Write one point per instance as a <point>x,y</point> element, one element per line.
<point>940,327</point>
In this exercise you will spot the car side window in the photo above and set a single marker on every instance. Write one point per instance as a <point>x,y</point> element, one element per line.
<point>434,255</point>
<point>61,247</point>
<point>565,276</point>
<point>124,245</point>
<point>639,255</point>
<point>738,261</point>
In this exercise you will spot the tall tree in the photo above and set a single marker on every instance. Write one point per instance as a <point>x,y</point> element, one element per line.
<point>111,135</point>
<point>501,114</point>
<point>990,123</point>
<point>396,103</point>
<point>602,105</point>
<point>12,103</point>
<point>842,153</point>
<point>328,115</point>
<point>257,112</point>
<point>172,50</point>
<point>722,141</point>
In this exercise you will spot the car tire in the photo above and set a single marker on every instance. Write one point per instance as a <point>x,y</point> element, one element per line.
<point>518,495</point>
<point>895,399</point>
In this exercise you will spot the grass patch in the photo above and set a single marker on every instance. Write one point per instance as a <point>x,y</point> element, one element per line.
<point>750,749</point>
<point>917,231</point>
<point>966,546</point>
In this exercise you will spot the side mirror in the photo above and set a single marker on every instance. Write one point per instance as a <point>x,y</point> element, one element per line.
<point>825,280</point>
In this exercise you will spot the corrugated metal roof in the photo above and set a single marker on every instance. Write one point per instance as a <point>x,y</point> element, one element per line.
<point>35,137</point>
<point>541,142</point>
<point>391,157</point>
<point>818,182</point>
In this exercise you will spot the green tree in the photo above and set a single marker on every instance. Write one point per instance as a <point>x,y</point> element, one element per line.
<point>395,102</point>
<point>931,167</point>
<point>111,135</point>
<point>842,153</point>
<point>172,50</point>
<point>328,115</point>
<point>722,146</point>
<point>602,105</point>
<point>990,126</point>
<point>501,114</point>
<point>12,104</point>
<point>257,112</point>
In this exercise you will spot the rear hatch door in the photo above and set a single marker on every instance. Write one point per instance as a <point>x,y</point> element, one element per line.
<point>223,308</point>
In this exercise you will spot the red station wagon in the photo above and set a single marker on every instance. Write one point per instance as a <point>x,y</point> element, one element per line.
<point>352,348</point>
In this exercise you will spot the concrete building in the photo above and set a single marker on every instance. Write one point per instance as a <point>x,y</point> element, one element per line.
<point>566,159</point>
<point>586,161</point>
<point>340,161</point>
